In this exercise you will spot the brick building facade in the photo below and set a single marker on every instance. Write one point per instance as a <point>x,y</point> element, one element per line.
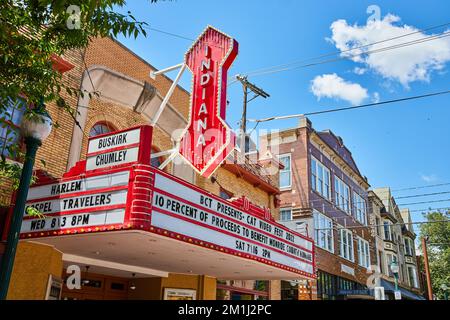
<point>325,194</point>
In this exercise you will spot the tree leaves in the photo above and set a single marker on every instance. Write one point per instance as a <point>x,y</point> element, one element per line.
<point>34,31</point>
<point>438,234</point>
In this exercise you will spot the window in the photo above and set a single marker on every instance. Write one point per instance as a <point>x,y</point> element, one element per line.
<point>285,173</point>
<point>224,194</point>
<point>363,253</point>
<point>377,222</point>
<point>389,259</point>
<point>320,178</point>
<point>285,214</point>
<point>341,195</point>
<point>387,231</point>
<point>409,247</point>
<point>381,262</point>
<point>10,119</point>
<point>100,128</point>
<point>412,275</point>
<point>359,205</point>
<point>346,246</point>
<point>323,232</point>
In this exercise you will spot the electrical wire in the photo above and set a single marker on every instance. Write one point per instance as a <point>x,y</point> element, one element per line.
<point>421,187</point>
<point>381,225</point>
<point>383,49</point>
<point>423,195</point>
<point>413,203</point>
<point>347,50</point>
<point>176,35</point>
<point>352,107</point>
<point>429,209</point>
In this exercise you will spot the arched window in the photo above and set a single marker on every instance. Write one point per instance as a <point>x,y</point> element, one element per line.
<point>100,128</point>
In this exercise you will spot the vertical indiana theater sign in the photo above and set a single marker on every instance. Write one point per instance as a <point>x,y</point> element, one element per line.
<point>208,140</point>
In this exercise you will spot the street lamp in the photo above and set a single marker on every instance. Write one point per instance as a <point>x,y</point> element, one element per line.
<point>395,269</point>
<point>444,288</point>
<point>35,128</point>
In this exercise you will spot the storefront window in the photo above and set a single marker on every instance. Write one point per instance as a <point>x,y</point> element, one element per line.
<point>289,290</point>
<point>331,287</point>
<point>242,290</point>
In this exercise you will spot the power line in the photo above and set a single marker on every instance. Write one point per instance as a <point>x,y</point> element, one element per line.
<point>353,204</point>
<point>405,44</point>
<point>423,195</point>
<point>352,107</point>
<point>176,35</point>
<point>169,33</point>
<point>382,225</point>
<point>421,187</point>
<point>347,50</point>
<point>387,48</point>
<point>429,209</point>
<point>439,243</point>
<point>434,201</point>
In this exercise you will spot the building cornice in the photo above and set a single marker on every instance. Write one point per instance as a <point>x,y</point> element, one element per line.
<point>338,160</point>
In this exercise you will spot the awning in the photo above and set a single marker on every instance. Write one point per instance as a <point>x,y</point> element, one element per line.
<point>390,287</point>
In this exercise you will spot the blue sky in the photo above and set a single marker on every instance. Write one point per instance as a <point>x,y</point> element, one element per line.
<point>399,145</point>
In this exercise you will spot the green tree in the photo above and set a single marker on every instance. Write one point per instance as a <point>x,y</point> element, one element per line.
<point>34,31</point>
<point>438,234</point>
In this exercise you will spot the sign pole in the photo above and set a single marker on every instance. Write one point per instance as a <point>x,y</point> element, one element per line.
<point>32,144</point>
<point>427,268</point>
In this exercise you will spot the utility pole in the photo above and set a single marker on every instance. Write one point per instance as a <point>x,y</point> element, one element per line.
<point>427,268</point>
<point>246,85</point>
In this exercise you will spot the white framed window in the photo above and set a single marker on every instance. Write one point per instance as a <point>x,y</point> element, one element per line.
<point>389,259</point>
<point>285,214</point>
<point>286,172</point>
<point>323,231</point>
<point>387,228</point>
<point>346,245</point>
<point>409,246</point>
<point>341,195</point>
<point>363,253</point>
<point>359,205</point>
<point>320,178</point>
<point>412,275</point>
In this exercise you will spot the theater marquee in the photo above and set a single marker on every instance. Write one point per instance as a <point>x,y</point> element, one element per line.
<point>133,196</point>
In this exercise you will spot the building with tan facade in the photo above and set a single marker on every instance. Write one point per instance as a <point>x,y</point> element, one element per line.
<point>395,242</point>
<point>136,265</point>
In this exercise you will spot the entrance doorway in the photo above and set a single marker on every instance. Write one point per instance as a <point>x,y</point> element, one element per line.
<point>97,287</point>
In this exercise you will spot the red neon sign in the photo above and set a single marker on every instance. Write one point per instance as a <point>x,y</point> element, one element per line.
<point>208,140</point>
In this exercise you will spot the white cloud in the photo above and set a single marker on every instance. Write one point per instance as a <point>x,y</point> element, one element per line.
<point>406,64</point>
<point>429,178</point>
<point>359,71</point>
<point>376,97</point>
<point>333,86</point>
